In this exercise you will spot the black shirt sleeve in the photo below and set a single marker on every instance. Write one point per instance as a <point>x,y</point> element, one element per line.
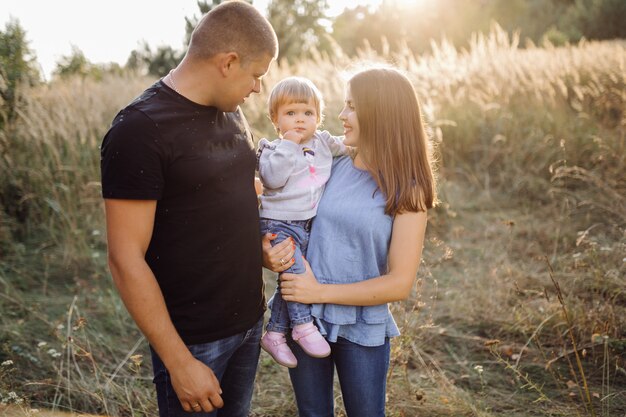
<point>132,158</point>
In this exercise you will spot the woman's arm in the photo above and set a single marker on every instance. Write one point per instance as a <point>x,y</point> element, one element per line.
<point>405,252</point>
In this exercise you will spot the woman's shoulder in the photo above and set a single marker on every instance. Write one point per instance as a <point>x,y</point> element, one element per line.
<point>343,160</point>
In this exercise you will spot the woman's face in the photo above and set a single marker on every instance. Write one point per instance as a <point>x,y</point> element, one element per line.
<point>350,121</point>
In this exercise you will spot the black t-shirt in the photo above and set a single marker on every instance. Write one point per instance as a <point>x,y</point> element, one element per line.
<point>205,250</point>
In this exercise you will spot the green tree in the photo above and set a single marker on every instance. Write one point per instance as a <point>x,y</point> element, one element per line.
<point>156,63</point>
<point>74,64</point>
<point>77,64</point>
<point>164,58</point>
<point>394,24</point>
<point>596,19</point>
<point>300,26</point>
<point>350,29</point>
<point>558,21</point>
<point>18,68</point>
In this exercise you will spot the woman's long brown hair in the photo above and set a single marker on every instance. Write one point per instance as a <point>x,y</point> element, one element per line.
<point>392,140</point>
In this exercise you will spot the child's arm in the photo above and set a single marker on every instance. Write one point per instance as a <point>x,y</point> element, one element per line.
<point>335,143</point>
<point>277,161</point>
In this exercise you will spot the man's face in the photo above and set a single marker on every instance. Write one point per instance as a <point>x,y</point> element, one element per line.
<point>244,80</point>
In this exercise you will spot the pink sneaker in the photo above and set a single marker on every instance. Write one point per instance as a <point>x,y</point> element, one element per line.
<point>275,344</point>
<point>310,340</point>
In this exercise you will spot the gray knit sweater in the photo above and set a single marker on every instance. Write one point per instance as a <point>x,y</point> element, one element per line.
<point>294,175</point>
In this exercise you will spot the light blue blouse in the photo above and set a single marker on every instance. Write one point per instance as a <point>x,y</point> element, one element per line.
<point>349,242</point>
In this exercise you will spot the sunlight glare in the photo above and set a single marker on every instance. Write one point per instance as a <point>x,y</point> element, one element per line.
<point>410,4</point>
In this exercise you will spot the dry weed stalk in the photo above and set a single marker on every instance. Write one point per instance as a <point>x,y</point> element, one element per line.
<point>570,326</point>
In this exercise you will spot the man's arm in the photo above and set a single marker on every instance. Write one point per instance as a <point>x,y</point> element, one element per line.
<point>129,229</point>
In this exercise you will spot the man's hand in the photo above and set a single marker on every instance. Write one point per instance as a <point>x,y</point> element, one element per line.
<point>258,186</point>
<point>196,386</point>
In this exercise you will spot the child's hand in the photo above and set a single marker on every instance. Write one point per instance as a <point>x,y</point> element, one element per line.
<point>293,136</point>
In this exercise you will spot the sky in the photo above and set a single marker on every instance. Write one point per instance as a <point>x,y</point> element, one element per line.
<point>108,30</point>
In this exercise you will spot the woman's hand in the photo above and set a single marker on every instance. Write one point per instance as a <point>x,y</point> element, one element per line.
<point>279,257</point>
<point>302,288</point>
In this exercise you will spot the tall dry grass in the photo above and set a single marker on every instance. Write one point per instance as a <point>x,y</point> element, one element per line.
<point>532,150</point>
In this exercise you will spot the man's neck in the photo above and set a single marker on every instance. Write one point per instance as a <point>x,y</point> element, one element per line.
<point>192,81</point>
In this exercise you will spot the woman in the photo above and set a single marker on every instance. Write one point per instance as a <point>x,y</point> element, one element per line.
<point>365,245</point>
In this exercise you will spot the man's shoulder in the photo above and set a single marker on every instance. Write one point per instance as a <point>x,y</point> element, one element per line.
<point>135,110</point>
<point>143,112</point>
<point>152,101</point>
<point>146,95</point>
<point>130,119</point>
<point>131,124</point>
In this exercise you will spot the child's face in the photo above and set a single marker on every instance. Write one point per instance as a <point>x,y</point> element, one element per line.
<point>301,117</point>
<point>350,121</point>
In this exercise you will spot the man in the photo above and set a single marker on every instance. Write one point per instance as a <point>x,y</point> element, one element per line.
<point>182,219</point>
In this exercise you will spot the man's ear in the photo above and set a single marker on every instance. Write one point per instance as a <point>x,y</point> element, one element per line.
<point>226,62</point>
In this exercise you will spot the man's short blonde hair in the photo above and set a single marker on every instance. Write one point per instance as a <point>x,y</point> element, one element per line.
<point>295,90</point>
<point>233,26</point>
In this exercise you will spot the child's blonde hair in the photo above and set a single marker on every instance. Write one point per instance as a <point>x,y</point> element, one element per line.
<point>295,90</point>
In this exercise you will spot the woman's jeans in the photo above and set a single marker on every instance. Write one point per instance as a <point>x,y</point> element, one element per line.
<point>233,361</point>
<point>362,372</point>
<point>287,314</point>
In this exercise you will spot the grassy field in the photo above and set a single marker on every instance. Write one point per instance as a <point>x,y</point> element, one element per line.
<point>520,303</point>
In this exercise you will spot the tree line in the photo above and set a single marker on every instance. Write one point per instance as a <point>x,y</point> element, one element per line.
<point>304,28</point>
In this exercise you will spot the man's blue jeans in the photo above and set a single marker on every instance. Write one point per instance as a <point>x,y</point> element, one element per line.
<point>362,372</point>
<point>233,360</point>
<point>287,314</point>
